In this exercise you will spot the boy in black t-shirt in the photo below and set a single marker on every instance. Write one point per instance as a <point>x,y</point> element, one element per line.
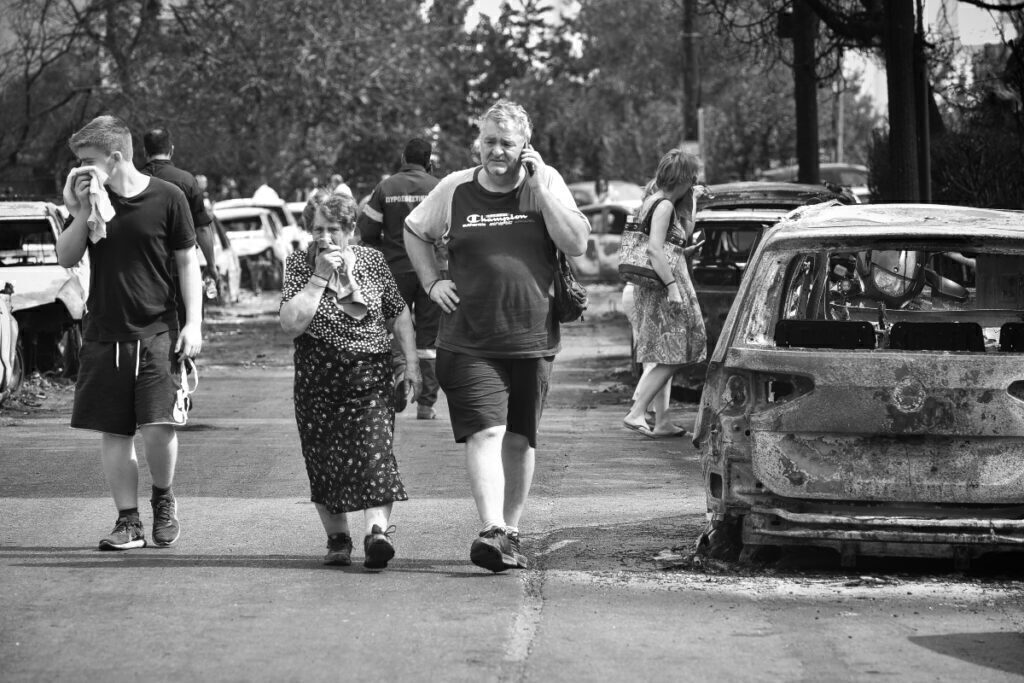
<point>129,374</point>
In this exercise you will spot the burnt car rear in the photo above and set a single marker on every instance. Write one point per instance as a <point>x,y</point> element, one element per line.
<point>867,391</point>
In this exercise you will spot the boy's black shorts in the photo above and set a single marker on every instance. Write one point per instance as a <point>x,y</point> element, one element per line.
<point>124,385</point>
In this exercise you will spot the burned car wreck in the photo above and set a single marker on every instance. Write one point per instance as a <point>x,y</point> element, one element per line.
<point>867,391</point>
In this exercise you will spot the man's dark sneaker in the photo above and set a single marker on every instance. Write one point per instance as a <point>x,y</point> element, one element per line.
<point>493,551</point>
<point>517,550</point>
<point>127,534</point>
<point>378,547</point>
<point>339,550</point>
<point>165,520</point>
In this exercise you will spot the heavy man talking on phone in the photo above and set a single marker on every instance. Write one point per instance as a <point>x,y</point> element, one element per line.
<point>498,336</point>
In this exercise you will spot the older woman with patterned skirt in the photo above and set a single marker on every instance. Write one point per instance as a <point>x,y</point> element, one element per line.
<point>342,304</point>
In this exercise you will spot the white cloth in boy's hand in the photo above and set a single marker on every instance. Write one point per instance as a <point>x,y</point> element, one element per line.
<point>100,210</point>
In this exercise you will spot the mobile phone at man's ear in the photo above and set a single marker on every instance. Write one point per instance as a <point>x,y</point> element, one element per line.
<point>527,165</point>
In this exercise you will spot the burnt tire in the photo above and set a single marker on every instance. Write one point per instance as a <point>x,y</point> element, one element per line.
<point>722,539</point>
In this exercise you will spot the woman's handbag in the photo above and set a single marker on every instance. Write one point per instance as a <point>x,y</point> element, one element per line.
<point>634,263</point>
<point>570,295</point>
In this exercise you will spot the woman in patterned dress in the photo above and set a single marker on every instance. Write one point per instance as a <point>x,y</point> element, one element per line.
<point>669,327</point>
<point>342,304</point>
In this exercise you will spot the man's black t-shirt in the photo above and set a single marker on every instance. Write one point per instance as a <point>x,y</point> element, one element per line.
<point>164,169</point>
<point>131,295</point>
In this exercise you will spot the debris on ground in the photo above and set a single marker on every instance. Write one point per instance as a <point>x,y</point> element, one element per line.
<point>871,581</point>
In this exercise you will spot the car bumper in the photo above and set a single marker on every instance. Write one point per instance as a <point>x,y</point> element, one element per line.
<point>918,531</point>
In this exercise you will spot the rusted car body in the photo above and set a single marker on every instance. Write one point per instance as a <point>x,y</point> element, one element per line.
<point>867,391</point>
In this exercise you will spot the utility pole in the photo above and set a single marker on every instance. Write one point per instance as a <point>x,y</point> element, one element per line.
<point>898,46</point>
<point>801,25</point>
<point>923,98</point>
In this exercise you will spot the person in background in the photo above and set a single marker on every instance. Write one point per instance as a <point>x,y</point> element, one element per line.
<point>502,221</point>
<point>382,225</point>
<point>338,185</point>
<point>129,374</point>
<point>669,327</point>
<point>204,187</point>
<point>313,189</point>
<point>265,193</point>
<point>657,415</point>
<point>159,149</point>
<point>342,306</point>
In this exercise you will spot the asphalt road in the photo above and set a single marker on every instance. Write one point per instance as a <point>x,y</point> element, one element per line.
<point>243,596</point>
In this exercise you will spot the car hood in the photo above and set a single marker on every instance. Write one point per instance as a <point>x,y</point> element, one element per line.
<point>40,285</point>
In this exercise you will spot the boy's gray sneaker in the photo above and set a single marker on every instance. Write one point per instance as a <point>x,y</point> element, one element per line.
<point>127,534</point>
<point>165,520</point>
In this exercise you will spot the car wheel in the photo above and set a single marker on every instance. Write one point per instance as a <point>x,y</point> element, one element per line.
<point>16,377</point>
<point>722,539</point>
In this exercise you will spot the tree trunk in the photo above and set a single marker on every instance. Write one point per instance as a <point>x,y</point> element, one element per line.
<point>898,45</point>
<point>805,91</point>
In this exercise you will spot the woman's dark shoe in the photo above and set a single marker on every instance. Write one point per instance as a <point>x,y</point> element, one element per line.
<point>339,550</point>
<point>378,547</point>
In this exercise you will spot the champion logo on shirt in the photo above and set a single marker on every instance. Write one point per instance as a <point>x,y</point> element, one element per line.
<point>487,220</point>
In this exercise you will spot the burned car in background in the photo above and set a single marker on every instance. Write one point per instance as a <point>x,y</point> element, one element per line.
<point>227,263</point>
<point>852,176</point>
<point>730,221</point>
<point>587,192</point>
<point>599,261</point>
<point>48,300</point>
<point>867,391</point>
<point>258,239</point>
